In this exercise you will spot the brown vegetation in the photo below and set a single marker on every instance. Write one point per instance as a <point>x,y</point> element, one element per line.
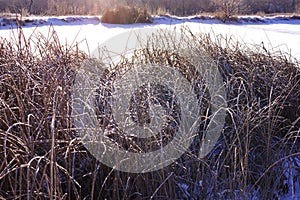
<point>126,15</point>
<point>43,158</point>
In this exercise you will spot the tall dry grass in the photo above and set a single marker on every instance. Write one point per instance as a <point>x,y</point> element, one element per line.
<point>37,144</point>
<point>122,14</point>
<point>261,137</point>
<point>42,158</point>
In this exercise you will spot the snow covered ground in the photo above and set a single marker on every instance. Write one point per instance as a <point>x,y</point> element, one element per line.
<point>278,33</point>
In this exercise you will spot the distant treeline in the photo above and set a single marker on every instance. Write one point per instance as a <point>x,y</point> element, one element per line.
<point>174,7</point>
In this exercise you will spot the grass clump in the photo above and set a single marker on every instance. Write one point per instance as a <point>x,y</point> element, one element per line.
<point>225,17</point>
<point>261,135</point>
<point>256,155</point>
<point>126,15</point>
<point>36,143</point>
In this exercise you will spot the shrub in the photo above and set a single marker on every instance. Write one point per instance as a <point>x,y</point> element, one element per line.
<point>224,17</point>
<point>126,15</point>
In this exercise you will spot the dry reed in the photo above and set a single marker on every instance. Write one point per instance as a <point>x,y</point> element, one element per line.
<point>42,157</point>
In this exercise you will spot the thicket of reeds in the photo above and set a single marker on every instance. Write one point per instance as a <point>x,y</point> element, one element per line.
<point>42,157</point>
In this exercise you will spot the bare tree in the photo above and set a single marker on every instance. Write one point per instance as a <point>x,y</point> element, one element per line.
<point>30,6</point>
<point>228,8</point>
